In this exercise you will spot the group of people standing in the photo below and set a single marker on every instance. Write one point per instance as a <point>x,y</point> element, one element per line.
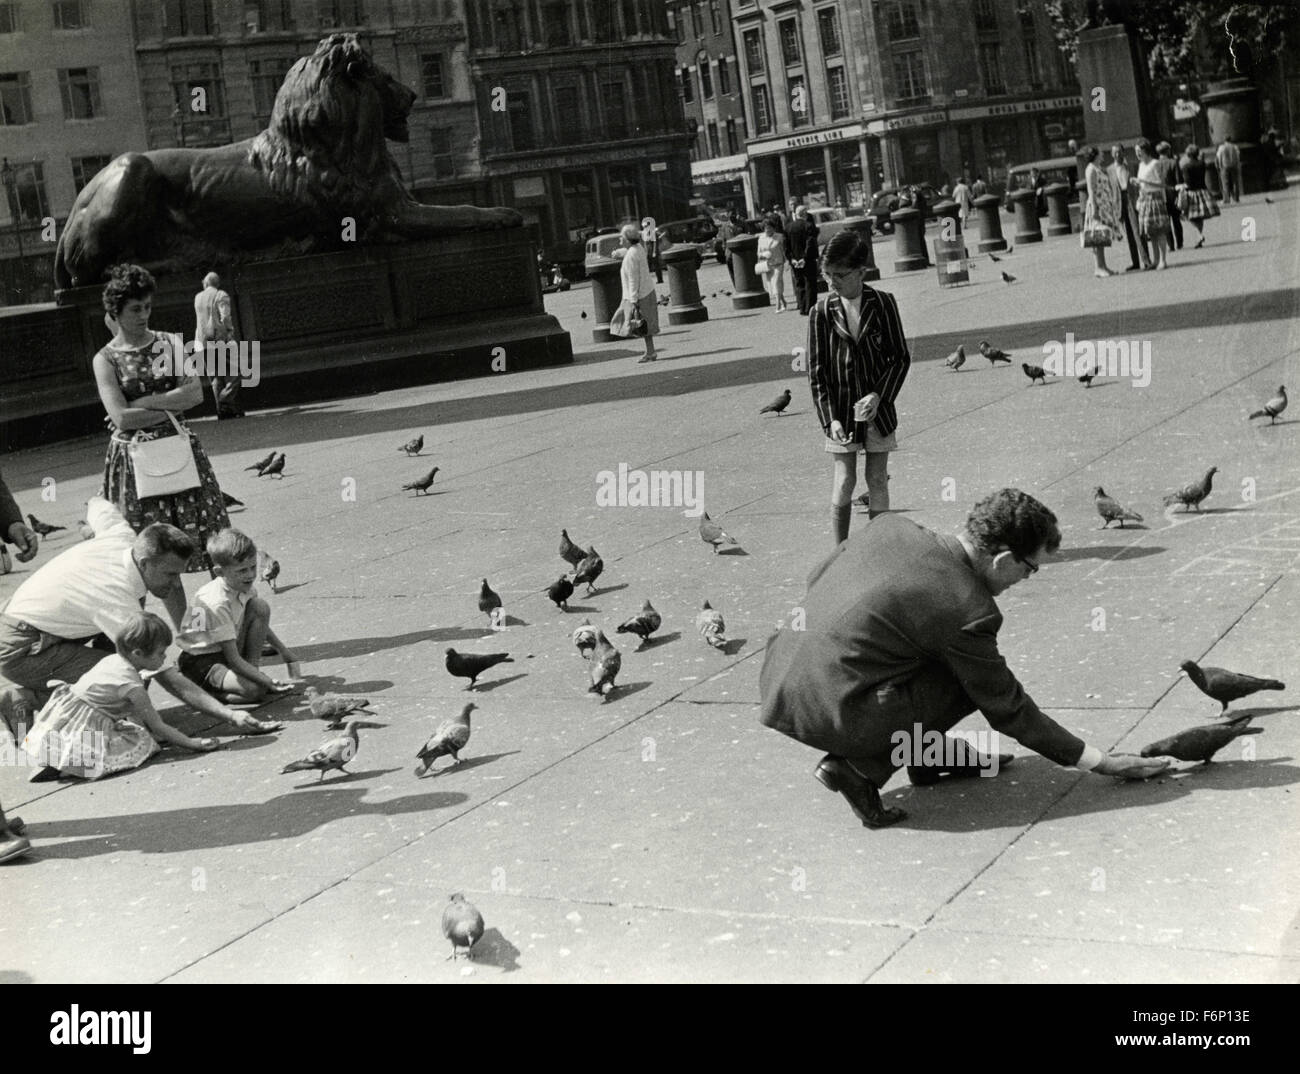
<point>796,246</point>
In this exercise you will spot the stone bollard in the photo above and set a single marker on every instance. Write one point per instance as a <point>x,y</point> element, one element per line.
<point>947,209</point>
<point>1058,208</point>
<point>987,207</point>
<point>863,227</point>
<point>606,293</point>
<point>683,286</point>
<point>750,293</point>
<point>1025,203</point>
<point>909,240</point>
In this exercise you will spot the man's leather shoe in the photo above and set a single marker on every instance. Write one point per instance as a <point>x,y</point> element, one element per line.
<point>836,774</point>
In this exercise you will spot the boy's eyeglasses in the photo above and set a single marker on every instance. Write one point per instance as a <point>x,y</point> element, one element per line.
<point>839,277</point>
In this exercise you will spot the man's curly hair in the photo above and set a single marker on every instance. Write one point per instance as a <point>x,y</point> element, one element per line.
<point>125,283</point>
<point>1013,519</point>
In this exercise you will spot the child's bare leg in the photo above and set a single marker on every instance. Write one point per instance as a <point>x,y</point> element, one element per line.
<point>253,630</point>
<point>233,690</point>
<point>876,469</point>
<point>843,479</point>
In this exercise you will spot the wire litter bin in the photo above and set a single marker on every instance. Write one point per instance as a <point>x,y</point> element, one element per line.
<point>951,261</point>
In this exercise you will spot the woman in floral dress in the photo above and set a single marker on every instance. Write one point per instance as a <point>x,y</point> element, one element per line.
<point>1101,209</point>
<point>137,395</point>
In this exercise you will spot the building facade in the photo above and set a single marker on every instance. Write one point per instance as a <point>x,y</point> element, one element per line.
<point>69,103</point>
<point>582,126</point>
<point>849,96</point>
<point>708,82</point>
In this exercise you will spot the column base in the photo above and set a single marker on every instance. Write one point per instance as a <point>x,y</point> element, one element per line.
<point>692,314</point>
<point>1024,237</point>
<point>602,335</point>
<point>910,264</point>
<point>1058,229</point>
<point>750,300</point>
<point>991,246</point>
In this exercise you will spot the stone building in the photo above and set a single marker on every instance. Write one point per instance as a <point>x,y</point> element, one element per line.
<point>68,103</point>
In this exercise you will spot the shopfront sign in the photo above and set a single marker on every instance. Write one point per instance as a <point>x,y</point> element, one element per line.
<point>1017,108</point>
<point>803,141</point>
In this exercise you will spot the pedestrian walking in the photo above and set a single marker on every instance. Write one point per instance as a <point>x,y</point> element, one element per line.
<point>1126,188</point>
<point>652,236</point>
<point>1272,163</point>
<point>857,362</point>
<point>962,196</point>
<point>979,188</point>
<point>801,245</point>
<point>214,323</point>
<point>1228,159</point>
<point>145,394</point>
<point>1153,217</point>
<point>1171,176</point>
<point>1101,213</point>
<point>639,294</point>
<point>771,260</point>
<point>1194,200</point>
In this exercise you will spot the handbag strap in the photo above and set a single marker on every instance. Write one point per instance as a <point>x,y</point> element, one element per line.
<point>180,429</point>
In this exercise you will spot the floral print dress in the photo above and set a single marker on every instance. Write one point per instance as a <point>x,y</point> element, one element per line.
<point>201,511</point>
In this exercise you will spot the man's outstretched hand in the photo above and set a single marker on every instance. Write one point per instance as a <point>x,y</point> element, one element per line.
<point>24,540</point>
<point>1131,766</point>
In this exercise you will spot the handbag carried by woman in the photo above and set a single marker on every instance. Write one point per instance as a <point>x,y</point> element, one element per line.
<point>163,466</point>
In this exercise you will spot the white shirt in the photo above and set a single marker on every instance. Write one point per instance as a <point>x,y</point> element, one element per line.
<point>853,313</point>
<point>92,588</point>
<point>961,195</point>
<point>635,273</point>
<point>215,615</point>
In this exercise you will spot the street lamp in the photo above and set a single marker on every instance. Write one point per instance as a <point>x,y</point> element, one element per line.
<point>9,179</point>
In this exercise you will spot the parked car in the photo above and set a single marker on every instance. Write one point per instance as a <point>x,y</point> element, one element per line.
<point>830,222</point>
<point>1053,170</point>
<point>885,200</point>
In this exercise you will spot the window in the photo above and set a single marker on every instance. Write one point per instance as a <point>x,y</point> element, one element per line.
<point>754,52</point>
<point>985,17</point>
<point>1033,64</point>
<point>991,68</point>
<point>733,146</point>
<point>902,20</point>
<point>267,77</point>
<point>706,78</point>
<point>431,76</point>
<point>630,25</point>
<point>79,87</point>
<point>724,75</point>
<point>715,143</point>
<point>555,20</point>
<point>15,99</point>
<point>506,28</point>
<point>519,111</point>
<point>84,169</point>
<point>70,15</point>
<point>579,194</point>
<point>715,16</point>
<point>602,16</point>
<point>762,110</point>
<point>187,18</point>
<point>616,118</point>
<point>684,23</point>
<point>688,87</point>
<point>342,12</point>
<point>10,23</point>
<point>909,75</point>
<point>444,163</point>
<point>261,16</point>
<point>568,116</point>
<point>27,201</point>
<point>677,24</point>
<point>789,33</point>
<point>837,84</point>
<point>828,28</point>
<point>800,102</point>
<point>198,76</point>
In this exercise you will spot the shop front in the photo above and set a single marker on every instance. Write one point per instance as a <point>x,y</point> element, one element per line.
<point>822,167</point>
<point>722,185</point>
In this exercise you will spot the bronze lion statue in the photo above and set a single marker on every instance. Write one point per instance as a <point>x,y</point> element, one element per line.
<point>282,193</point>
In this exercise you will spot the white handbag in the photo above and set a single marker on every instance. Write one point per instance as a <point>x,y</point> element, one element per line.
<point>163,467</point>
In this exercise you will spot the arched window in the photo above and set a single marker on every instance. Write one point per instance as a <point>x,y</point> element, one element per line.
<point>706,75</point>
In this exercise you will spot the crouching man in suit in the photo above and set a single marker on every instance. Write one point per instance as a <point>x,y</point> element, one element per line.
<point>901,643</point>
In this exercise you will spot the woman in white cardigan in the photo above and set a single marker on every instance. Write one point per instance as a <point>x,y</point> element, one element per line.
<point>638,289</point>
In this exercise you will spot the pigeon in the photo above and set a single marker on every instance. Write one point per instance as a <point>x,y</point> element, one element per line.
<point>1007,277</point>
<point>260,466</point>
<point>1201,743</point>
<point>270,570</point>
<point>412,447</point>
<point>43,528</point>
<point>560,591</point>
<point>448,740</point>
<point>1085,378</point>
<point>709,623</point>
<point>1226,686</point>
<point>605,662</point>
<point>584,637</point>
<point>1273,407</point>
<point>276,469</point>
<point>83,527</point>
<point>778,405</point>
<point>462,924</point>
<point>1034,372</point>
<point>956,359</point>
<point>1010,249</point>
<point>1192,495</point>
<point>583,315</point>
<point>1268,200</point>
<point>472,665</point>
<point>1110,509</point>
<point>334,752</point>
<point>488,601</point>
<point>664,300</point>
<point>423,484</point>
<point>713,534</point>
<point>994,257</point>
<point>570,552</point>
<point>589,570</point>
<point>230,501</point>
<point>643,624</point>
<point>993,354</point>
<point>333,707</point>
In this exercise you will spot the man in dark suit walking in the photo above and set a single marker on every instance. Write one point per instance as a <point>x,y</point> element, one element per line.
<point>801,252</point>
<point>900,643</point>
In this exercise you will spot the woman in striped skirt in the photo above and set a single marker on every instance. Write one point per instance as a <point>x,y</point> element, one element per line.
<point>1194,200</point>
<point>1153,216</point>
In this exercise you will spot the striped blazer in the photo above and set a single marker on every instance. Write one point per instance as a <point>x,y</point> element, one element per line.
<point>841,370</point>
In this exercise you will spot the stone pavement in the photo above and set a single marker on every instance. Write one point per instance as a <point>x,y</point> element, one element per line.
<point>664,835</point>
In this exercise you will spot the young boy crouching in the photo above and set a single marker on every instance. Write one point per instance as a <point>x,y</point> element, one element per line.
<point>228,625</point>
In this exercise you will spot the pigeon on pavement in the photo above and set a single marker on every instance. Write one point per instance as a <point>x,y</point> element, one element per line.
<point>994,257</point>
<point>270,570</point>
<point>993,354</point>
<point>333,753</point>
<point>43,528</point>
<point>1273,407</point>
<point>1007,277</point>
<point>488,601</point>
<point>1201,743</point>
<point>412,447</point>
<point>777,405</point>
<point>1034,372</point>
<point>605,662</point>
<point>275,469</point>
<point>570,552</point>
<point>333,707</point>
<point>1191,495</point>
<point>643,624</point>
<point>589,570</point>
<point>957,358</point>
<point>560,591</point>
<point>447,741</point>
<point>1110,510</point>
<point>584,637</point>
<point>262,465</point>
<point>423,484</point>
<point>713,534</point>
<point>462,924</point>
<point>472,665</point>
<point>1226,686</point>
<point>711,626</point>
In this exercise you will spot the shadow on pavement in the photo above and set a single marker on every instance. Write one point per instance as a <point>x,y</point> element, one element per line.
<point>337,650</point>
<point>1107,551</point>
<point>493,949</point>
<point>467,763</point>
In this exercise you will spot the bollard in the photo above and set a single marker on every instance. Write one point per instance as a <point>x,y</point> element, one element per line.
<point>987,206</point>
<point>947,209</point>
<point>1026,206</point>
<point>685,306</point>
<point>606,293</point>
<point>909,240</point>
<point>863,227</point>
<point>1058,208</point>
<point>750,293</point>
